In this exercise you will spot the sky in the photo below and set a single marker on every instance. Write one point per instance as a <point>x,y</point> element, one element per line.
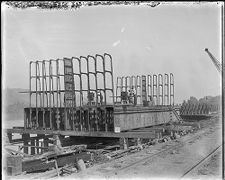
<point>142,40</point>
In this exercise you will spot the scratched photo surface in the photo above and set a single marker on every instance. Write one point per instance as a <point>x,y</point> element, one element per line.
<point>164,58</point>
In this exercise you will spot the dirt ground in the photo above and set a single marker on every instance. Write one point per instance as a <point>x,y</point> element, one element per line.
<point>171,164</point>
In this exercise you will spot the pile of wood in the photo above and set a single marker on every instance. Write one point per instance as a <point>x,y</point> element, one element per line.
<point>60,159</point>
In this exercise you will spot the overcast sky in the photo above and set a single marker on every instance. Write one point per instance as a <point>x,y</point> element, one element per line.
<point>141,40</point>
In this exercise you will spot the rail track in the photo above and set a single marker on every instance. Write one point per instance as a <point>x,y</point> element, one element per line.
<point>172,147</point>
<point>202,161</point>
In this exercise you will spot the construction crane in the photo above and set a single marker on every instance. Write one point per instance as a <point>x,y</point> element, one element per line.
<point>214,60</point>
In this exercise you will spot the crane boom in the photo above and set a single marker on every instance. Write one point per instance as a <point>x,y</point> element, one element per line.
<point>214,60</point>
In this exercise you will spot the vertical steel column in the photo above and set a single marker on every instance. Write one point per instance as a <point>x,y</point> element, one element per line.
<point>52,91</point>
<point>155,97</point>
<point>171,89</point>
<point>57,85</point>
<point>81,85</point>
<point>133,80</point>
<point>103,73</point>
<point>39,92</point>
<point>50,95</point>
<point>128,84</point>
<point>43,95</point>
<point>36,95</point>
<point>69,92</point>
<point>96,79</point>
<point>127,87</point>
<point>160,89</point>
<point>84,90</point>
<point>80,82</point>
<point>91,114</point>
<point>127,80</point>
<point>134,87</point>
<point>79,91</point>
<point>46,87</point>
<point>88,80</point>
<point>166,89</point>
<point>143,89</point>
<point>94,74</point>
<point>81,96</point>
<point>149,79</point>
<point>57,93</point>
<point>138,87</point>
<point>58,75</point>
<point>124,87</point>
<point>118,86</point>
<point>52,86</point>
<point>30,94</point>
<point>99,117</point>
<point>88,89</point>
<point>105,89</point>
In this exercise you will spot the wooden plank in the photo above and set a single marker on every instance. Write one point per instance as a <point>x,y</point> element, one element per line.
<point>37,166</point>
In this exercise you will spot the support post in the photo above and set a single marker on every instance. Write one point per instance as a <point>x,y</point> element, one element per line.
<point>25,138</point>
<point>37,144</point>
<point>32,143</point>
<point>124,143</point>
<point>42,145</point>
<point>45,142</point>
<point>9,137</point>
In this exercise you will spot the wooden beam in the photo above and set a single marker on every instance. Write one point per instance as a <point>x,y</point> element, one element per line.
<point>87,134</point>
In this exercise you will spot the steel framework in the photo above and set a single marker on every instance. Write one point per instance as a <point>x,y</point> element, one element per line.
<point>71,94</point>
<point>147,90</point>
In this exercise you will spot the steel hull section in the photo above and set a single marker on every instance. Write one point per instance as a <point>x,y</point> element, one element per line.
<point>135,117</point>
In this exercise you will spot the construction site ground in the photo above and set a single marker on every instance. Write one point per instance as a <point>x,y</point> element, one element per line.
<point>171,159</point>
<point>172,163</point>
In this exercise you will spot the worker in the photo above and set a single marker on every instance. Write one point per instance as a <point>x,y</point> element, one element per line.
<point>129,96</point>
<point>33,121</point>
<point>101,97</point>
